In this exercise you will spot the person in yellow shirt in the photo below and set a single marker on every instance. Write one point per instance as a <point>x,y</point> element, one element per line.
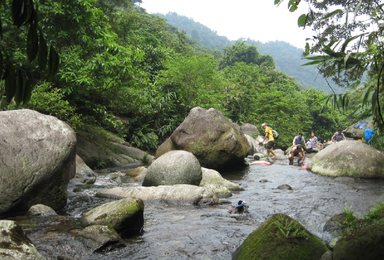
<point>271,140</point>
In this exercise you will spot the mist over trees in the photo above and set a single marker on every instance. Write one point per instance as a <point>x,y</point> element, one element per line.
<point>288,58</point>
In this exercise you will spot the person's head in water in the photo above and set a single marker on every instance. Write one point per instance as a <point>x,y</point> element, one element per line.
<point>256,157</point>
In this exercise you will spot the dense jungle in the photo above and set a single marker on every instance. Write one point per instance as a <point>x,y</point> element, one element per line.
<point>110,67</point>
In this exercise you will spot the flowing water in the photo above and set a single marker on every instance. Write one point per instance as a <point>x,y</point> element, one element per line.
<point>210,232</point>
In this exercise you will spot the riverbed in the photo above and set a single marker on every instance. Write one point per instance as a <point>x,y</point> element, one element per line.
<point>211,232</point>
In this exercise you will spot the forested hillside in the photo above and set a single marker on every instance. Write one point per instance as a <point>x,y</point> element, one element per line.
<point>288,58</point>
<point>130,73</point>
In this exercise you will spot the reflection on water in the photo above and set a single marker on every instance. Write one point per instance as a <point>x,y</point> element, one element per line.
<point>211,232</point>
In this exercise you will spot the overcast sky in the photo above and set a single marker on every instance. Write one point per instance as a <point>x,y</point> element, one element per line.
<point>259,20</point>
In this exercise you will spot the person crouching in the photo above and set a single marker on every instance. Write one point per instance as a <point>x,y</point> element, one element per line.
<point>297,151</point>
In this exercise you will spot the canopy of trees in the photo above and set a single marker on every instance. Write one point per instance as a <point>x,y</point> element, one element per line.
<point>131,73</point>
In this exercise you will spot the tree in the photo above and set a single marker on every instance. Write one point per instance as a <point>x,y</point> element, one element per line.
<point>350,40</point>
<point>239,52</point>
<point>15,69</point>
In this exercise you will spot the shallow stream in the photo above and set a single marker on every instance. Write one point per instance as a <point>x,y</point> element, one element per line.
<point>211,232</point>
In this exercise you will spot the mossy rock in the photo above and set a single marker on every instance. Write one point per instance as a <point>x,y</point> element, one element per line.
<point>269,242</point>
<point>366,243</point>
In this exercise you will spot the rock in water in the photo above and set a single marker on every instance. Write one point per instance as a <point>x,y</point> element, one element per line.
<point>215,141</point>
<point>38,154</point>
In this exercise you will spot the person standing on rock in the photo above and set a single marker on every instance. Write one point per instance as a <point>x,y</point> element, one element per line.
<point>338,136</point>
<point>271,140</point>
<point>297,151</point>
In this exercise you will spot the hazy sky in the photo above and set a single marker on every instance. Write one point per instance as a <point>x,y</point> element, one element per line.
<point>259,20</point>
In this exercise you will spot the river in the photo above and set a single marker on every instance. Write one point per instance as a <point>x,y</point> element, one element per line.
<point>209,232</point>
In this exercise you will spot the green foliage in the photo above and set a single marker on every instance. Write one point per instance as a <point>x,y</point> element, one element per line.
<point>375,215</point>
<point>49,100</point>
<point>17,59</point>
<point>290,228</point>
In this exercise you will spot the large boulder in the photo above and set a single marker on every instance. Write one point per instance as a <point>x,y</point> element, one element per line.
<point>366,243</point>
<point>14,244</point>
<point>348,158</point>
<point>249,129</point>
<point>180,194</point>
<point>356,131</point>
<point>281,237</point>
<point>174,167</point>
<point>38,158</point>
<point>125,216</point>
<point>215,141</point>
<point>254,144</point>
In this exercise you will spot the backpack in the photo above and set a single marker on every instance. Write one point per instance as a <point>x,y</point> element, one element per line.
<point>275,134</point>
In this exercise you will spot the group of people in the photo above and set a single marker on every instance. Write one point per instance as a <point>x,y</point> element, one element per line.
<point>298,145</point>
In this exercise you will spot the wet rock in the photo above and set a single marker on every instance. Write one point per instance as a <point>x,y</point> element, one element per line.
<point>138,171</point>
<point>38,155</point>
<point>100,238</point>
<point>281,237</point>
<point>219,190</point>
<point>125,216</point>
<point>84,174</point>
<point>41,210</point>
<point>327,256</point>
<point>215,141</point>
<point>14,244</point>
<point>139,178</point>
<point>214,177</point>
<point>350,159</point>
<point>366,243</point>
<point>178,194</point>
<point>263,180</point>
<point>333,224</point>
<point>174,167</point>
<point>284,187</point>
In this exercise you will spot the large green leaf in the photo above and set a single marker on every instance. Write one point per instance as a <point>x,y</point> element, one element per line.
<point>301,22</point>
<point>32,42</point>
<point>10,83</point>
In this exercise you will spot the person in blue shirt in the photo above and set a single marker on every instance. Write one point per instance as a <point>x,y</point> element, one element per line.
<point>299,139</point>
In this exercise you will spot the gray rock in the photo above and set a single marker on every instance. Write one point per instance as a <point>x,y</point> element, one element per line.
<point>214,140</point>
<point>125,216</point>
<point>100,238</point>
<point>174,167</point>
<point>14,244</point>
<point>284,187</point>
<point>219,190</point>
<point>136,172</point>
<point>41,210</point>
<point>327,256</point>
<point>214,177</point>
<point>357,133</point>
<point>84,174</point>
<point>350,159</point>
<point>175,194</point>
<point>249,129</point>
<point>38,155</point>
<point>255,147</point>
